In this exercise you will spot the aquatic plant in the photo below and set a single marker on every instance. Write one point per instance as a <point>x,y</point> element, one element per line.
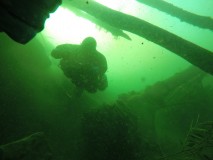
<point>198,144</point>
<point>110,133</point>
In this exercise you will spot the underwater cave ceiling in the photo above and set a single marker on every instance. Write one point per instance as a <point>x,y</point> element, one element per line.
<point>23,19</point>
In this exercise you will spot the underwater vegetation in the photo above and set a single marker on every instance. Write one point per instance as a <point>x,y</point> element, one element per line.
<point>110,132</point>
<point>198,144</point>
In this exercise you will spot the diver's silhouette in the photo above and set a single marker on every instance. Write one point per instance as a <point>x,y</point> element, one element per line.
<point>83,64</point>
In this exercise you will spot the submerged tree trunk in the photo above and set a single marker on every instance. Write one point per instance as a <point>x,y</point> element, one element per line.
<point>183,15</point>
<point>193,53</point>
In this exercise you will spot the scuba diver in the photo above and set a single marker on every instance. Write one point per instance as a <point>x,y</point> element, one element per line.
<point>83,64</point>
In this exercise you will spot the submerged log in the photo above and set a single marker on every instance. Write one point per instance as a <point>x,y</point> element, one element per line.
<point>183,15</point>
<point>193,53</point>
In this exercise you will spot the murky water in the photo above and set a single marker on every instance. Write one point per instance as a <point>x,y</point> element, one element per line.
<point>153,94</point>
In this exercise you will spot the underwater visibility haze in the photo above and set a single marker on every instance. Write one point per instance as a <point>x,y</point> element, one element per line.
<point>158,103</point>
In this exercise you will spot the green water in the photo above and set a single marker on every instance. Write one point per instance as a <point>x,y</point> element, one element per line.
<point>153,107</point>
